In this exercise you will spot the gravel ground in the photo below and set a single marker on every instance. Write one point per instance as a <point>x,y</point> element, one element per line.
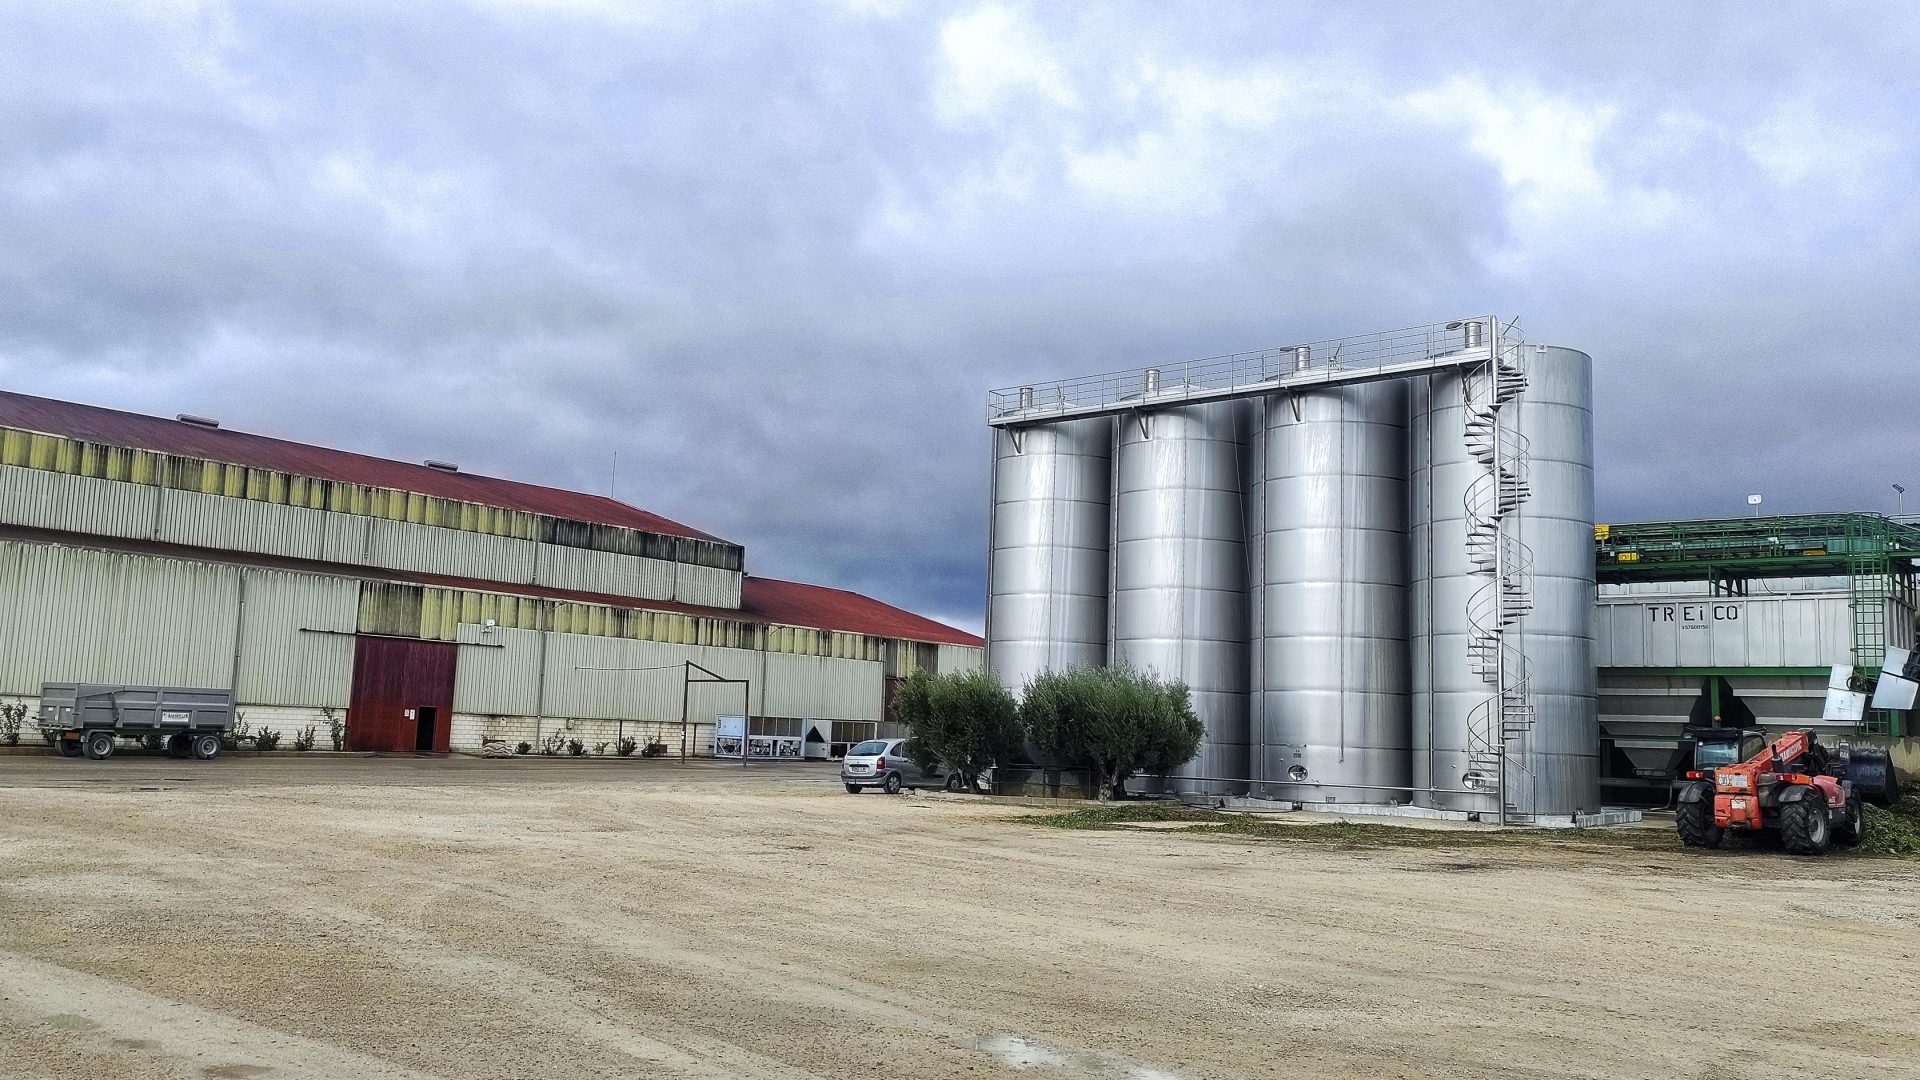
<point>348,917</point>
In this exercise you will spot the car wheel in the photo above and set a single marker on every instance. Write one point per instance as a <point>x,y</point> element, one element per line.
<point>68,747</point>
<point>1805,828</point>
<point>892,786</point>
<point>99,745</point>
<point>853,789</point>
<point>206,747</point>
<point>180,745</point>
<point>954,782</point>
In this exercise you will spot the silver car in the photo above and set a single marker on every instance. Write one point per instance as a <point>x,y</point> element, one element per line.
<point>883,763</point>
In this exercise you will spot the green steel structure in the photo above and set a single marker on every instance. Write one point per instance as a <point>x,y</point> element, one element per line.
<point>1875,553</point>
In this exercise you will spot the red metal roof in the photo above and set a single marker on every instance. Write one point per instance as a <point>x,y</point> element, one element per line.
<point>796,604</point>
<point>141,432</point>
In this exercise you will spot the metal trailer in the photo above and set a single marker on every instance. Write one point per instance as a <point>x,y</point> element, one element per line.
<point>1334,714</point>
<point>87,718</point>
<point>1047,569</point>
<point>1180,592</point>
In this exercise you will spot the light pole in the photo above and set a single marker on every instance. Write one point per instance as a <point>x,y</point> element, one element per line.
<point>1754,501</point>
<point>1900,494</point>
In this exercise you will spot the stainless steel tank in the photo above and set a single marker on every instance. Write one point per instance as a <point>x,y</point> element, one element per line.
<point>1335,711</point>
<point>1180,569</point>
<point>1553,769</point>
<point>1047,571</point>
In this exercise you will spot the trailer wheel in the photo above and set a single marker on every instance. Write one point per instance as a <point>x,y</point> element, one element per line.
<point>1805,827</point>
<point>68,747</point>
<point>1849,833</point>
<point>99,745</point>
<point>206,747</point>
<point>180,744</point>
<point>1694,821</point>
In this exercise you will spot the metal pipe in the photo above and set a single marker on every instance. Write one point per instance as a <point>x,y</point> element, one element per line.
<point>1312,783</point>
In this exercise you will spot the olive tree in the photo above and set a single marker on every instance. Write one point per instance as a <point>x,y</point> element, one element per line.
<point>964,721</point>
<point>1114,721</point>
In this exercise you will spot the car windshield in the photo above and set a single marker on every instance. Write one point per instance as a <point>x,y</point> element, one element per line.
<point>868,749</point>
<point>1709,755</point>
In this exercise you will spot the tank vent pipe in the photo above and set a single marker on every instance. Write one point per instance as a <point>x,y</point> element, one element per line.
<point>1026,397</point>
<point>1153,380</point>
<point>1475,332</point>
<point>1302,357</point>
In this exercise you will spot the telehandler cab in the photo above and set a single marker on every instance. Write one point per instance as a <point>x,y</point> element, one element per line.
<point>1809,793</point>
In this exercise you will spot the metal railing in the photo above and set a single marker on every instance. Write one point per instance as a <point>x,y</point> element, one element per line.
<point>1248,373</point>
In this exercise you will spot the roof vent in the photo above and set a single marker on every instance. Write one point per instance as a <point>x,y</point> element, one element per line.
<point>198,421</point>
<point>443,466</point>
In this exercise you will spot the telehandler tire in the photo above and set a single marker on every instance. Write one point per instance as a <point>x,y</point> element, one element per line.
<point>1805,828</point>
<point>1694,821</point>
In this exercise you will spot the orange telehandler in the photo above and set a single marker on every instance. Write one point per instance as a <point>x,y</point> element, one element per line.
<point>1808,793</point>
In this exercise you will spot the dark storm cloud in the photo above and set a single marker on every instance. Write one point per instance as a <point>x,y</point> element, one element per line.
<point>773,255</point>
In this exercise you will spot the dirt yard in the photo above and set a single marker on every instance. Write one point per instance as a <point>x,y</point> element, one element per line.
<point>352,918</point>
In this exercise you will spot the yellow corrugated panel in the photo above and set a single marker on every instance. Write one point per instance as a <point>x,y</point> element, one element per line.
<point>66,456</point>
<point>13,447</point>
<point>41,453</point>
<point>390,608</point>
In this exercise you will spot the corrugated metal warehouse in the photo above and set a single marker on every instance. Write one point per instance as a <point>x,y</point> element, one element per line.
<point>415,606</point>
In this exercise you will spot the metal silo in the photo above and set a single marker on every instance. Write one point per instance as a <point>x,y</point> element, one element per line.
<point>1047,567</point>
<point>1334,720</point>
<point>1180,568</point>
<point>1502,513</point>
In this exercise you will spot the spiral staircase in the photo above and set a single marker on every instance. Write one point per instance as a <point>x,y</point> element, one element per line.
<point>1505,594</point>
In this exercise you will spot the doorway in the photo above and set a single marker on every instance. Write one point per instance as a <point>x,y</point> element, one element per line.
<point>402,696</point>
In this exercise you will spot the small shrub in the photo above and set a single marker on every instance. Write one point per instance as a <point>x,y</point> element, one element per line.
<point>552,745</point>
<point>268,739</point>
<point>12,715</point>
<point>524,748</point>
<point>303,740</point>
<point>626,746</point>
<point>238,734</point>
<point>575,747</point>
<point>336,730</point>
<point>653,749</point>
<point>600,749</point>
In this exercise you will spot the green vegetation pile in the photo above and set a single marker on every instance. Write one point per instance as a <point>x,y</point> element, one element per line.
<point>1893,830</point>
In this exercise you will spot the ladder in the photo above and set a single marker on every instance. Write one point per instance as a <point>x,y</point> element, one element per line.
<point>1505,596</point>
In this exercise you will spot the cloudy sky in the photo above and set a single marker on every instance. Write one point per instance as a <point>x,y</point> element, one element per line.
<point>773,255</point>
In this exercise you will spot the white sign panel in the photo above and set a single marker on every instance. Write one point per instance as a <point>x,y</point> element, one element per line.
<point>1898,680</point>
<point>1843,704</point>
